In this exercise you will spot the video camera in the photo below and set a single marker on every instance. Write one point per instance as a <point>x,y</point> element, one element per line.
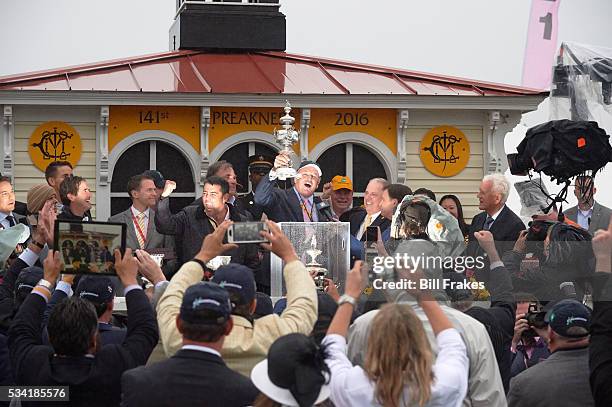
<point>562,149</point>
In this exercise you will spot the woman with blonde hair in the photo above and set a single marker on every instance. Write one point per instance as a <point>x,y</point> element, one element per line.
<point>399,368</point>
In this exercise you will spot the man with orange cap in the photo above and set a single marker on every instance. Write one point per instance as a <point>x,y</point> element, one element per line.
<point>339,194</point>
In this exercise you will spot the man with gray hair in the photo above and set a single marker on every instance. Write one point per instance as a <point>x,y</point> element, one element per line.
<point>496,217</point>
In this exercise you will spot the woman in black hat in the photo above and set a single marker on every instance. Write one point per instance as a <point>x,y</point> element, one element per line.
<point>294,374</point>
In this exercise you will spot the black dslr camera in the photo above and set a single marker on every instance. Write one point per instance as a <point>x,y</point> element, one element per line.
<point>535,319</point>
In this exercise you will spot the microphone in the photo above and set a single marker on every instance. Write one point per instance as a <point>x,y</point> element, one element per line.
<point>324,209</point>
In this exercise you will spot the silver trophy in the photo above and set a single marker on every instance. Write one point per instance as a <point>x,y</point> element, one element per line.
<point>315,268</point>
<point>286,137</point>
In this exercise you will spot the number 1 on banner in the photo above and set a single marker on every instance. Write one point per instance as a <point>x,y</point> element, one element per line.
<point>541,44</point>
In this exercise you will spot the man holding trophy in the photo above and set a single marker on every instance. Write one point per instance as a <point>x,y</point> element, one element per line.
<point>297,204</point>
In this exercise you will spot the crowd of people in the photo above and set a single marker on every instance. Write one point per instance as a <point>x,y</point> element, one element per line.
<point>198,334</point>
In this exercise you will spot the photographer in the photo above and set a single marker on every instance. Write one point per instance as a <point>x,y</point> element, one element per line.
<point>566,370</point>
<point>528,349</point>
<point>563,254</point>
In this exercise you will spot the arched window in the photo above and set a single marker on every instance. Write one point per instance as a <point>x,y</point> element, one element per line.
<point>355,161</point>
<point>238,156</point>
<point>156,155</point>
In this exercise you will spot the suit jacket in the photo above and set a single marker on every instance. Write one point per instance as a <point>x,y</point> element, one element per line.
<point>93,381</point>
<point>560,380</point>
<point>282,205</point>
<point>600,219</point>
<point>154,239</point>
<point>357,217</point>
<point>189,378</point>
<point>247,203</point>
<point>505,230</point>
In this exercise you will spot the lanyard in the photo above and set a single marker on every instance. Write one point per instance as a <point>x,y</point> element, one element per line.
<point>137,226</point>
<point>303,205</point>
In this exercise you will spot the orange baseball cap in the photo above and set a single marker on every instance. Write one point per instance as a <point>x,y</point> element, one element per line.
<point>341,182</point>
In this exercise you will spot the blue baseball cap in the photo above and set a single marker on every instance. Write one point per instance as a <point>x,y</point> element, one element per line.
<point>97,289</point>
<point>567,314</point>
<point>206,303</point>
<point>238,279</point>
<point>28,278</point>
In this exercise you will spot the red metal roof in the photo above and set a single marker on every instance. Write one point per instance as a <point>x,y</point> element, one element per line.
<point>250,73</point>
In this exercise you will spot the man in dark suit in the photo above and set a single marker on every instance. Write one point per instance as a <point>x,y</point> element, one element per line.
<point>193,223</point>
<point>196,375</point>
<point>8,217</point>
<point>497,218</point>
<point>297,204</point>
<point>370,214</point>
<point>259,167</point>
<point>589,214</point>
<point>76,358</point>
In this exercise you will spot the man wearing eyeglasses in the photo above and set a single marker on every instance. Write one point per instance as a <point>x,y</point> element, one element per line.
<point>259,167</point>
<point>7,204</point>
<point>297,204</point>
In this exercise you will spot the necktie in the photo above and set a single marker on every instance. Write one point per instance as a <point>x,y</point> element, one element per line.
<point>11,221</point>
<point>367,222</point>
<point>488,223</point>
<point>141,236</point>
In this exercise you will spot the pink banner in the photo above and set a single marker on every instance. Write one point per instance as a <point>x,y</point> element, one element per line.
<point>541,44</point>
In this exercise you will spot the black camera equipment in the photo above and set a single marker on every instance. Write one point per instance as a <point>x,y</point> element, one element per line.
<point>563,150</point>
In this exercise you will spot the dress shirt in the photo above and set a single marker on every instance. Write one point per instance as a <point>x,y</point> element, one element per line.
<point>362,228</point>
<point>4,222</point>
<point>145,220</point>
<point>201,349</point>
<point>582,217</point>
<point>494,216</point>
<point>350,385</point>
<point>309,202</point>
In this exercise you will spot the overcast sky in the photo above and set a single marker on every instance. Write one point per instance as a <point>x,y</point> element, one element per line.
<point>480,39</point>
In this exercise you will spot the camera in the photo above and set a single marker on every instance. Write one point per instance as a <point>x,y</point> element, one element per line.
<point>246,232</point>
<point>535,318</point>
<point>562,149</point>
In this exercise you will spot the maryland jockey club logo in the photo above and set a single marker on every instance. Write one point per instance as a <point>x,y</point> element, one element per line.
<point>54,141</point>
<point>445,151</point>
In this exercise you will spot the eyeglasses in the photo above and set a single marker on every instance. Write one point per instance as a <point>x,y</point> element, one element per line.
<point>308,175</point>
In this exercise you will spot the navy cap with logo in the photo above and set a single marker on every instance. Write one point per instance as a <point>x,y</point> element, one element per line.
<point>97,289</point>
<point>28,278</point>
<point>158,178</point>
<point>238,279</point>
<point>567,314</point>
<point>206,303</point>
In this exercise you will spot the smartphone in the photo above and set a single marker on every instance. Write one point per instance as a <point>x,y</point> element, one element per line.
<point>372,234</point>
<point>246,232</point>
<point>87,247</point>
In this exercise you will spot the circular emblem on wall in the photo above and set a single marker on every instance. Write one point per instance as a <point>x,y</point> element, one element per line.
<point>54,141</point>
<point>444,151</point>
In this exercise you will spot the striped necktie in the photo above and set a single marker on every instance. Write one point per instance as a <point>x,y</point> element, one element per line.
<point>488,223</point>
<point>141,236</point>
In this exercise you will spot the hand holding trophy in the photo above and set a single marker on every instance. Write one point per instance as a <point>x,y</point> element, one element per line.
<point>286,137</point>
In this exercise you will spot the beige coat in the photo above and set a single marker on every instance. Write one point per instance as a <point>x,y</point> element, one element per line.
<point>248,343</point>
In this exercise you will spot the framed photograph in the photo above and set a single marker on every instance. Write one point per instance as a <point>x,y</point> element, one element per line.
<point>88,247</point>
